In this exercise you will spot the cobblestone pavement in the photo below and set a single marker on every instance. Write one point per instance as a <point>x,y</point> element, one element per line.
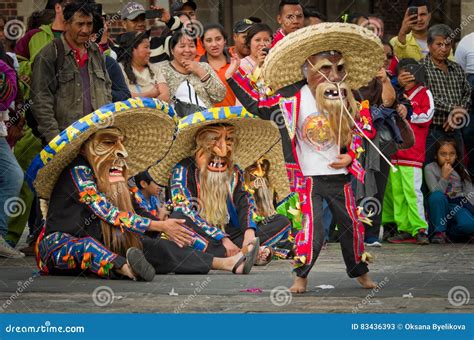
<point>412,279</point>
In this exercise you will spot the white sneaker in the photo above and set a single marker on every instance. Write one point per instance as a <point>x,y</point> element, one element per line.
<point>8,251</point>
<point>374,244</point>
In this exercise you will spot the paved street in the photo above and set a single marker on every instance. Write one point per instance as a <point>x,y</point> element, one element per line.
<point>412,279</point>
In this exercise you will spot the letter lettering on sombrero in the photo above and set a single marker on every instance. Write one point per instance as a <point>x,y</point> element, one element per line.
<point>119,106</point>
<point>136,102</point>
<point>198,117</point>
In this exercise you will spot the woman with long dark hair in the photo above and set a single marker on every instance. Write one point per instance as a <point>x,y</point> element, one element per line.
<point>214,40</point>
<point>143,79</point>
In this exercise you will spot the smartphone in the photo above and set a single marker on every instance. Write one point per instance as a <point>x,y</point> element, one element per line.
<point>154,14</point>
<point>412,11</point>
<point>418,71</point>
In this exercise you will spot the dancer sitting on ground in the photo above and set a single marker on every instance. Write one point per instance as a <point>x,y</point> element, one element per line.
<point>91,224</point>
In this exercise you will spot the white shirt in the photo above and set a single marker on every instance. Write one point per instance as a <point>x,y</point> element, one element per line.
<point>423,45</point>
<point>465,53</point>
<point>314,147</point>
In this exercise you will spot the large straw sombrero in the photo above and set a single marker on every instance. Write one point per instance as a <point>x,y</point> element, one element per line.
<point>255,138</point>
<point>147,123</point>
<point>361,48</point>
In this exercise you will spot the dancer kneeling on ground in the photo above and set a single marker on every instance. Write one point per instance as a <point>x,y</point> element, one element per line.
<point>90,224</point>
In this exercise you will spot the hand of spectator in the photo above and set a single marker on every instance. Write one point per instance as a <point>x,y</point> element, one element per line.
<point>382,74</point>
<point>342,162</point>
<point>405,77</point>
<point>154,92</point>
<point>234,65</point>
<point>262,54</point>
<point>15,133</point>
<point>457,116</point>
<point>230,248</point>
<point>194,67</point>
<point>173,228</point>
<point>402,111</point>
<point>446,170</point>
<point>408,23</point>
<point>166,17</point>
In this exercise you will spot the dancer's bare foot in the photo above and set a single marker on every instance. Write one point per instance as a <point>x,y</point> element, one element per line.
<point>299,285</point>
<point>366,282</point>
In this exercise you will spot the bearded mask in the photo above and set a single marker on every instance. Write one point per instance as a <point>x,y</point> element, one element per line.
<point>325,74</point>
<point>214,158</point>
<point>107,156</point>
<point>258,184</point>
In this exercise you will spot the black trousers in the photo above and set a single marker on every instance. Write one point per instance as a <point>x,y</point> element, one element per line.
<point>167,257</point>
<point>381,179</point>
<point>266,232</point>
<point>337,191</point>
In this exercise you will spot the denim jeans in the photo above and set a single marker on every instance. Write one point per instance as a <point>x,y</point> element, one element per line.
<point>456,221</point>
<point>11,179</point>
<point>468,131</point>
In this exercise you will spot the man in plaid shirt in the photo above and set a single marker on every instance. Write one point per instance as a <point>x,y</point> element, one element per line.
<point>450,88</point>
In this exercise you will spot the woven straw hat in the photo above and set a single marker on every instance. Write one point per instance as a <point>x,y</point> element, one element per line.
<point>361,48</point>
<point>147,124</point>
<point>255,138</point>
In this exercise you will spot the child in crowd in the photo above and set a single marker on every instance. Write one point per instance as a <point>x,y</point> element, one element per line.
<point>146,195</point>
<point>403,200</point>
<point>451,200</point>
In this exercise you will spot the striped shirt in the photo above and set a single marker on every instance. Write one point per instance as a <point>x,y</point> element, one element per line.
<point>449,89</point>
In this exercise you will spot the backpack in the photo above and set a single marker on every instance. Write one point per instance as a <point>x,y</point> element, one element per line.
<point>60,55</point>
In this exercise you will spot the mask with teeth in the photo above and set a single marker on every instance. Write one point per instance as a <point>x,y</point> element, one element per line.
<point>107,156</point>
<point>213,155</point>
<point>258,183</point>
<point>325,74</point>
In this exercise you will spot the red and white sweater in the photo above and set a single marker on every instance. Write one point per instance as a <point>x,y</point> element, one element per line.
<point>423,110</point>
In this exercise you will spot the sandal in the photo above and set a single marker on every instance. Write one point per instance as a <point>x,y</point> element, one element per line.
<point>268,259</point>
<point>248,258</point>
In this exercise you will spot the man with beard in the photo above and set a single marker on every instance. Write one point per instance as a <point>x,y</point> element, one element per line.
<point>91,225</point>
<point>322,128</point>
<point>207,185</point>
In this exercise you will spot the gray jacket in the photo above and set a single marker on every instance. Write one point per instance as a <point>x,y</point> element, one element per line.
<point>58,99</point>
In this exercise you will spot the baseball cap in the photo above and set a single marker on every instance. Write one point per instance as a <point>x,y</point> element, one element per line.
<point>243,25</point>
<point>132,10</point>
<point>178,5</point>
